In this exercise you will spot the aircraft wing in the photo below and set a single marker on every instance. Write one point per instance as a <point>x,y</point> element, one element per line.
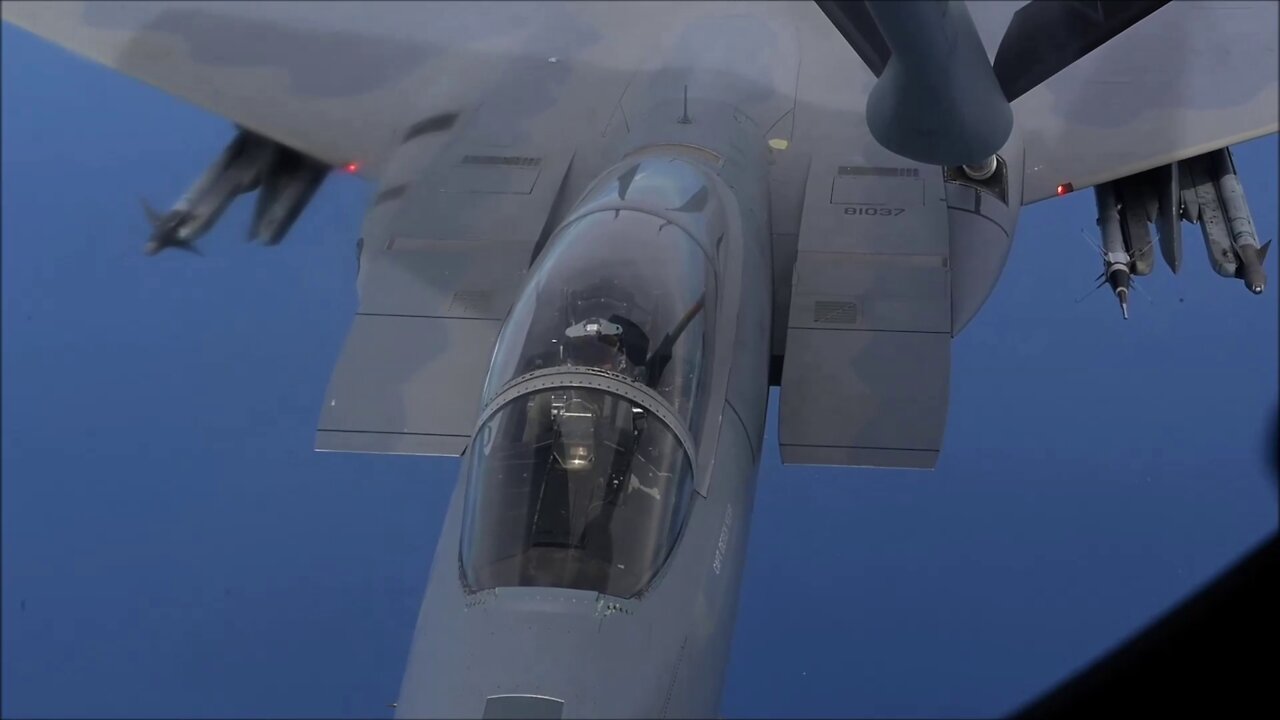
<point>336,81</point>
<point>478,120</point>
<point>267,66</point>
<point>1189,78</point>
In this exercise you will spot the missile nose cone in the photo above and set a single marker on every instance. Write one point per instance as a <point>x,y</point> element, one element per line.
<point>1122,294</point>
<point>1254,278</point>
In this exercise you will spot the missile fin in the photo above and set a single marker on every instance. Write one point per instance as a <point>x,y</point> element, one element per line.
<point>153,216</point>
<point>1187,191</point>
<point>1168,223</point>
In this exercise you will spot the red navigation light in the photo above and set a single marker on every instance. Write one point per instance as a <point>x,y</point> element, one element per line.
<point>352,167</point>
<point>1065,188</point>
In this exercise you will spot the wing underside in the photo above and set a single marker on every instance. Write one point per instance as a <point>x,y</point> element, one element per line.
<point>361,82</point>
<point>1189,78</point>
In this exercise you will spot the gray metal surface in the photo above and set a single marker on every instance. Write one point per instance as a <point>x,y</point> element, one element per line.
<point>1213,221</point>
<point>272,68</point>
<point>1239,219</point>
<point>981,218</point>
<point>458,240</point>
<point>406,384</point>
<point>1117,263</point>
<point>864,397</point>
<point>1134,225</point>
<point>440,263</point>
<point>869,327</point>
<point>286,190</point>
<point>871,291</point>
<point>1165,183</point>
<point>935,44</point>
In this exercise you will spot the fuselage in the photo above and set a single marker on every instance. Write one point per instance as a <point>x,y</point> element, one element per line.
<point>591,557</point>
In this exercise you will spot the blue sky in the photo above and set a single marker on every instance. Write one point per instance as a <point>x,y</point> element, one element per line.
<point>173,547</point>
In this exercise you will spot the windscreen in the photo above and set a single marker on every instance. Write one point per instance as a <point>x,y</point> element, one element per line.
<point>617,290</point>
<point>573,488</point>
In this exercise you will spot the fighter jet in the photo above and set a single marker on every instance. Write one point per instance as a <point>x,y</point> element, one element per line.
<point>602,231</point>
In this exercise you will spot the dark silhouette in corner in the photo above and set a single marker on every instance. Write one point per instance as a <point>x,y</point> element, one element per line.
<point>1213,656</point>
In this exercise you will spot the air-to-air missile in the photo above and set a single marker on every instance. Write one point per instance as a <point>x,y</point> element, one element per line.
<point>1213,197</point>
<point>287,187</point>
<point>1204,190</point>
<point>1117,264</point>
<point>1126,209</point>
<point>288,180</point>
<point>237,170</point>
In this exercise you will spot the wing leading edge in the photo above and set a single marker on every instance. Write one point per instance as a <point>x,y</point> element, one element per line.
<point>297,73</point>
<point>1190,78</point>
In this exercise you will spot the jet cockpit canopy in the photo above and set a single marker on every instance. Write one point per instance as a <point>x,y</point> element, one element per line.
<point>622,291</point>
<point>581,474</point>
